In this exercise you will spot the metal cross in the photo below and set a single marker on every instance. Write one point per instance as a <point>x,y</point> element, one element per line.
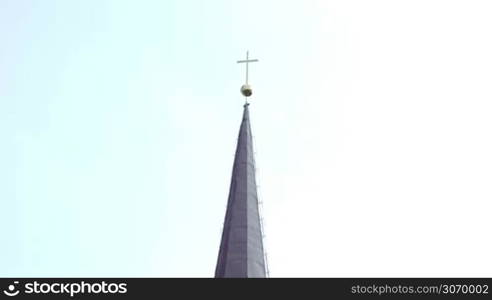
<point>247,61</point>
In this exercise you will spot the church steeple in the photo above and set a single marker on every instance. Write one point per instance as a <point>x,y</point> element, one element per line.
<point>241,251</point>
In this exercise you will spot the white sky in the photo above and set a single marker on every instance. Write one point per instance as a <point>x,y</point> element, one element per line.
<point>372,127</point>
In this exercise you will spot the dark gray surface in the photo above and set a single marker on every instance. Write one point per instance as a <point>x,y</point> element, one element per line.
<point>241,249</point>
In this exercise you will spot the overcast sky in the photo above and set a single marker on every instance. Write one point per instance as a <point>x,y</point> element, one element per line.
<point>371,119</point>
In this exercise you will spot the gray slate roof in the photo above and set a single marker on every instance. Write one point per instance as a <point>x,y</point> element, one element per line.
<point>241,251</point>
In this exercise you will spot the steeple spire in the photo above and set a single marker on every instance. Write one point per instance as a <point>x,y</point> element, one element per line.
<point>241,251</point>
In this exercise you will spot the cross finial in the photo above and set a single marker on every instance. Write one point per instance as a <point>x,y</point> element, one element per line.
<point>247,61</point>
<point>246,89</point>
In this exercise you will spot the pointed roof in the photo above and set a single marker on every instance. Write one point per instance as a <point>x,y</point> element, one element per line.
<point>241,249</point>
